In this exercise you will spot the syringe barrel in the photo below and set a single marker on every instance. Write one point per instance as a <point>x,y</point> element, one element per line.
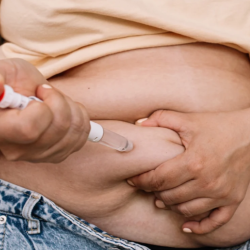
<point>108,138</point>
<point>116,141</point>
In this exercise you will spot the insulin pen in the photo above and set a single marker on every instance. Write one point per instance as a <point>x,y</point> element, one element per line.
<point>11,99</point>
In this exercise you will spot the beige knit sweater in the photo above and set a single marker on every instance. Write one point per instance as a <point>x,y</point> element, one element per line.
<point>56,35</point>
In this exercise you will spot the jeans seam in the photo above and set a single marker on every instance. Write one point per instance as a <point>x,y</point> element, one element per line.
<point>60,213</point>
<point>4,232</point>
<point>44,202</point>
<point>20,216</point>
<point>108,236</point>
<point>5,226</point>
<point>16,215</point>
<point>30,241</point>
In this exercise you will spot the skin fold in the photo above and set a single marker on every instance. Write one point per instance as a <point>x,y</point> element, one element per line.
<point>116,91</point>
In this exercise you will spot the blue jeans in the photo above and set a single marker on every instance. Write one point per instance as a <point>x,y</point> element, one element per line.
<point>29,221</point>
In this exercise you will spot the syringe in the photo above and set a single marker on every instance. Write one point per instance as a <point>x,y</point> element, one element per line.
<point>11,99</point>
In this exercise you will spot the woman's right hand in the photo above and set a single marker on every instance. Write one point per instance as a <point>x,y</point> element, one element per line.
<point>47,131</point>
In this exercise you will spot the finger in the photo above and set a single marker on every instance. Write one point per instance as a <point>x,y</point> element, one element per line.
<point>22,76</point>
<point>200,216</point>
<point>180,194</point>
<point>61,119</point>
<point>196,206</point>
<point>22,129</point>
<point>61,115</point>
<point>160,204</point>
<point>167,119</point>
<point>75,138</point>
<point>24,126</point>
<point>167,176</point>
<point>86,128</point>
<point>217,218</point>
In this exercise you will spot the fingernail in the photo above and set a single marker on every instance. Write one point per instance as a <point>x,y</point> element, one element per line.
<point>130,183</point>
<point>160,204</point>
<point>46,86</point>
<point>138,122</point>
<point>187,230</point>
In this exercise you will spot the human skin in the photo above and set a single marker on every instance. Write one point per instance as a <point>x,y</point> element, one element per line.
<point>64,126</point>
<point>118,90</point>
<point>219,173</point>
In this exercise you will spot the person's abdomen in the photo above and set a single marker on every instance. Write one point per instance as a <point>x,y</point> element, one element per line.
<point>117,90</point>
<point>186,78</point>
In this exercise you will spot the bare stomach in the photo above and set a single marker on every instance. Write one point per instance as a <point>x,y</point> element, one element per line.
<point>117,90</point>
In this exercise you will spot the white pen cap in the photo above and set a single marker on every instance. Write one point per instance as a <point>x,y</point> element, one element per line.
<point>96,132</point>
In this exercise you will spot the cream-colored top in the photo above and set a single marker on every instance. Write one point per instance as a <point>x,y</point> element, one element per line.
<point>56,35</point>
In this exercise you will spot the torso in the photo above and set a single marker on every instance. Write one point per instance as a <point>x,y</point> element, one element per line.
<point>117,90</point>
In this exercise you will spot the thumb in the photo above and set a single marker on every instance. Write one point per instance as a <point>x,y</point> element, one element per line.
<point>43,93</point>
<point>216,219</point>
<point>166,119</point>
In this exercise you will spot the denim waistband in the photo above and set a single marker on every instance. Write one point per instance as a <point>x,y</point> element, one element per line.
<point>34,207</point>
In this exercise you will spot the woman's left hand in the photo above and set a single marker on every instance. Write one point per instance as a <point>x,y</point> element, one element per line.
<point>213,173</point>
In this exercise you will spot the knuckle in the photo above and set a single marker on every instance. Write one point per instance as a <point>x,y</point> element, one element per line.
<point>13,156</point>
<point>55,161</point>
<point>222,220</point>
<point>210,189</point>
<point>219,223</point>
<point>52,159</point>
<point>62,116</point>
<point>167,198</point>
<point>195,166</point>
<point>77,124</point>
<point>219,189</point>
<point>224,193</point>
<point>27,132</point>
<point>215,187</point>
<point>156,183</point>
<point>183,209</point>
<point>239,198</point>
<point>44,111</point>
<point>58,159</point>
<point>161,115</point>
<point>85,118</point>
<point>78,147</point>
<point>62,123</point>
<point>204,230</point>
